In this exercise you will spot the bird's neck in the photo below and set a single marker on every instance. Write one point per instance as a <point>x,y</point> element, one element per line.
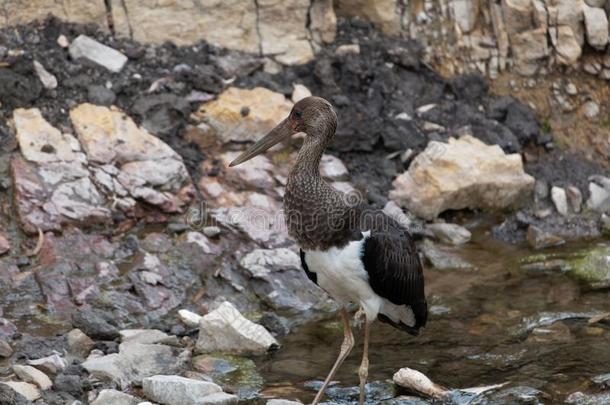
<point>307,165</point>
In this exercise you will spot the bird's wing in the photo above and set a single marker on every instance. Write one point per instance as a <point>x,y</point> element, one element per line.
<point>395,271</point>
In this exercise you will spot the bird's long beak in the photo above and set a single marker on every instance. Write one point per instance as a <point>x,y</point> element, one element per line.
<point>282,131</point>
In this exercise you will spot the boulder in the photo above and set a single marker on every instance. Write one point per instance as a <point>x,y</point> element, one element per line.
<point>114,397</point>
<point>33,375</point>
<point>228,24</point>
<point>465,13</point>
<point>100,54</point>
<point>243,115</point>
<point>322,21</point>
<point>278,280</point>
<point>284,35</point>
<point>133,362</point>
<point>566,45</point>
<point>226,329</point>
<point>596,24</point>
<point>27,390</point>
<point>464,173</point>
<point>16,12</point>
<point>175,390</point>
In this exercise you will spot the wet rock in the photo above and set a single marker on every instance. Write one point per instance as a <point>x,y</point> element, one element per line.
<point>443,258</point>
<point>549,318</point>
<point>603,380</point>
<point>226,329</point>
<point>174,390</point>
<point>189,318</point>
<point>596,24</point>
<point>512,395</point>
<point>558,332</point>
<point>94,323</point>
<point>47,79</point>
<point>450,233</point>
<point>100,95</point>
<point>52,364</point>
<point>278,280</point>
<point>133,362</point>
<point>145,336</point>
<point>282,402</point>
<point>79,344</point>
<point>5,349</point>
<point>32,375</point>
<point>225,114</point>
<point>464,173</point>
<point>100,54</point>
<point>537,238</point>
<point>114,397</point>
<point>234,374</point>
<point>580,398</point>
<point>593,268</point>
<point>27,390</point>
<point>416,381</point>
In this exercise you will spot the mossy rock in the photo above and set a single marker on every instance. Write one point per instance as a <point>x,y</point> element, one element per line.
<point>592,268</point>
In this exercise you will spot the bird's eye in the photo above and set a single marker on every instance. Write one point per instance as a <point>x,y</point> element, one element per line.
<point>297,113</point>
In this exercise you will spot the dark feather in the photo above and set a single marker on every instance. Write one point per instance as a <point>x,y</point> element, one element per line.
<point>395,271</point>
<point>310,274</point>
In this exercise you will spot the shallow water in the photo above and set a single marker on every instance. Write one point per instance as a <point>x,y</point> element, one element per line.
<point>475,335</point>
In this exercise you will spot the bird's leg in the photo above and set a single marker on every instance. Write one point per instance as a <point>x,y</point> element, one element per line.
<point>363,372</point>
<point>346,348</point>
<point>358,317</point>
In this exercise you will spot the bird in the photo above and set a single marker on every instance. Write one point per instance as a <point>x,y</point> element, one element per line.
<point>354,252</point>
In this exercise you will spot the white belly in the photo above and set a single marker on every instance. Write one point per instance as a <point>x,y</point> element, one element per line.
<point>340,272</point>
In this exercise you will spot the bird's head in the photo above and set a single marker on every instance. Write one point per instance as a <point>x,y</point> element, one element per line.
<point>312,115</point>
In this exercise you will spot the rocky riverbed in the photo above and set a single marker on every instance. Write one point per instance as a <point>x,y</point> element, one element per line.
<point>136,267</point>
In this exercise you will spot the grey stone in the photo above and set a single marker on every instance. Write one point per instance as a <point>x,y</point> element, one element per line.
<point>52,364</point>
<point>211,231</point>
<point>114,397</point>
<point>537,238</point>
<point>332,168</point>
<point>444,258</point>
<point>596,24</point>
<point>282,402</point>
<point>88,48</point>
<point>450,233</point>
<point>574,198</point>
<point>599,197</point>
<point>47,79</point>
<point>33,375</point>
<point>27,390</point>
<point>79,344</point>
<point>5,349</point>
<point>558,195</point>
<point>465,13</point>
<point>145,336</point>
<point>133,362</point>
<point>189,318</point>
<point>93,323</point>
<point>225,329</point>
<point>175,390</point>
<point>100,95</point>
<point>580,398</point>
<point>219,398</point>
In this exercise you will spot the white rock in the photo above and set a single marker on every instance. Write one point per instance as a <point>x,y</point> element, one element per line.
<point>29,391</point>
<point>595,3</point>
<point>567,46</point>
<point>282,402</point>
<point>114,397</point>
<point>450,233</point>
<point>558,195</point>
<point>52,364</point>
<point>211,231</point>
<point>150,277</point>
<point>202,241</point>
<point>465,13</point>
<point>63,41</point>
<point>596,24</point>
<point>464,173</point>
<point>175,390</point>
<point>299,92</point>
<point>332,168</point>
<point>33,375</point>
<point>348,49</point>
<point>590,109</point>
<point>226,329</point>
<point>189,318</point>
<point>397,214</point>
<point>146,336</point>
<point>88,48</point>
<point>260,262</point>
<point>599,198</point>
<point>48,80</point>
<point>418,382</point>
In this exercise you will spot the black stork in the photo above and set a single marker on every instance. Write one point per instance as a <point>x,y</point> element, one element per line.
<point>355,253</point>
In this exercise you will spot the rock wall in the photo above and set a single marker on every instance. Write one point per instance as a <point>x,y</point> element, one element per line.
<point>531,36</point>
